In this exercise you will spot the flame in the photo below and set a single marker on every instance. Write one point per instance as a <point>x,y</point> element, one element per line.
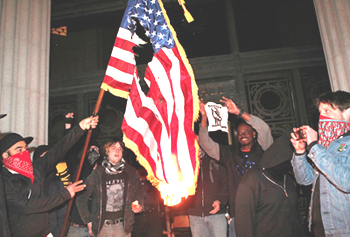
<point>172,193</point>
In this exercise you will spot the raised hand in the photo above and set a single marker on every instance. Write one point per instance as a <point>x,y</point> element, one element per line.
<point>75,187</point>
<point>231,106</point>
<point>92,122</point>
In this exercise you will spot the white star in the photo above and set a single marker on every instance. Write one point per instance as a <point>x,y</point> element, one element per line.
<point>161,36</point>
<point>137,5</point>
<point>159,12</point>
<point>164,27</point>
<point>150,11</point>
<point>153,1</point>
<point>170,41</point>
<point>154,33</point>
<point>157,46</point>
<point>147,33</point>
<point>155,23</point>
<point>145,17</point>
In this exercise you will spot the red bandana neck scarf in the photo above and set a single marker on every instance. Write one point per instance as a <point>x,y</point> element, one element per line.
<point>330,129</point>
<point>20,163</point>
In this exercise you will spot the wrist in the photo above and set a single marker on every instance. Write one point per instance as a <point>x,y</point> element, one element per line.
<point>299,152</point>
<point>241,112</point>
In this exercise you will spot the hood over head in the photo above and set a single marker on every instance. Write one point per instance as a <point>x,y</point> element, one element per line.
<point>279,152</point>
<point>39,150</point>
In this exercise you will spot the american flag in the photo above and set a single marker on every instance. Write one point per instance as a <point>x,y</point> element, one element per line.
<point>158,126</point>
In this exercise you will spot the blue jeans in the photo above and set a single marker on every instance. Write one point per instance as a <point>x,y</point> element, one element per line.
<point>115,230</point>
<point>231,228</point>
<point>78,232</point>
<point>208,226</point>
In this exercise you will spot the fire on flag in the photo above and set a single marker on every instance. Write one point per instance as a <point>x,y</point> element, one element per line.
<point>157,127</point>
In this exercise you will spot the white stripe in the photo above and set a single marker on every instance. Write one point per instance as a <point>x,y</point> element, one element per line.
<point>119,75</point>
<point>123,55</point>
<point>124,34</point>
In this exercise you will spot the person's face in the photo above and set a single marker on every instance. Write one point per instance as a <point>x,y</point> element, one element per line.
<point>245,135</point>
<point>115,153</point>
<point>14,149</point>
<point>328,111</point>
<point>93,147</point>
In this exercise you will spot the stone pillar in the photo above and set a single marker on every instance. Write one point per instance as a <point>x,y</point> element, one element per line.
<point>334,22</point>
<point>24,67</point>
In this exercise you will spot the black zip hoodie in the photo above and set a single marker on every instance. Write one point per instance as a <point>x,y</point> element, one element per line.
<point>267,202</point>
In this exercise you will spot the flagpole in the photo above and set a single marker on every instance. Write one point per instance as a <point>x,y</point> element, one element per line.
<point>87,141</point>
<point>229,137</point>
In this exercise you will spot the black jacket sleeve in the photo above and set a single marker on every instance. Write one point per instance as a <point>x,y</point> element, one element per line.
<point>57,153</point>
<point>24,201</point>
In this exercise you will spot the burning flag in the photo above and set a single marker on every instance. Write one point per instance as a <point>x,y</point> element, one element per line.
<point>157,127</point>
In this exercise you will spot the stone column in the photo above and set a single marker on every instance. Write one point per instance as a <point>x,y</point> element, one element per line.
<point>24,67</point>
<point>334,22</point>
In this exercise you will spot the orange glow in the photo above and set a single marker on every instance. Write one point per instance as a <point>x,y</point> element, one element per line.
<point>59,31</point>
<point>172,194</point>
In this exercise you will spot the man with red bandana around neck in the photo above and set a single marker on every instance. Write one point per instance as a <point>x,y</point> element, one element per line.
<point>329,173</point>
<point>24,181</point>
<point>254,137</point>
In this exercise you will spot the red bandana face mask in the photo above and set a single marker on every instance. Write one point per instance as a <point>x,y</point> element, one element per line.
<point>20,163</point>
<point>330,129</point>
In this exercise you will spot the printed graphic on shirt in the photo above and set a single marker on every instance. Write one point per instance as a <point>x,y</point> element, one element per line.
<point>245,164</point>
<point>115,193</point>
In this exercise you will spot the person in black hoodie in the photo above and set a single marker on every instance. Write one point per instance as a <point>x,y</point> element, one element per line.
<point>267,202</point>
<point>23,181</point>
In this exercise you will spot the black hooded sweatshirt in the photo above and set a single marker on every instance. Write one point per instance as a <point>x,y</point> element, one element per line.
<point>267,202</point>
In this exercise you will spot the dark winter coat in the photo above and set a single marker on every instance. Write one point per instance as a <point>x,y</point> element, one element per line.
<point>93,191</point>
<point>212,185</point>
<point>27,204</point>
<point>266,203</point>
<point>231,157</point>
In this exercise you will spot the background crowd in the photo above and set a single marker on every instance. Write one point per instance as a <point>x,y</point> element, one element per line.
<point>252,189</point>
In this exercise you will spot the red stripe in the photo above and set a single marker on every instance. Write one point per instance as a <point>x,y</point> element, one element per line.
<point>116,84</point>
<point>124,44</point>
<point>121,65</point>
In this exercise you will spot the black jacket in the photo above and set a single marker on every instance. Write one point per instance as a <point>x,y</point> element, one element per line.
<point>93,191</point>
<point>267,200</point>
<point>212,185</point>
<point>27,204</point>
<point>230,158</point>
